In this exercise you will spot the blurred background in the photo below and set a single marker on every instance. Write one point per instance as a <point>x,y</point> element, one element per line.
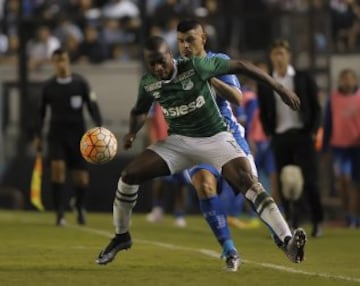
<point>104,39</point>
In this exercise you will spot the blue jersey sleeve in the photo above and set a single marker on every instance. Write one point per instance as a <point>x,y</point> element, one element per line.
<point>229,79</point>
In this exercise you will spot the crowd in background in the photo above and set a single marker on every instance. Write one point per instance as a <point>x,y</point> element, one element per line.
<point>95,31</point>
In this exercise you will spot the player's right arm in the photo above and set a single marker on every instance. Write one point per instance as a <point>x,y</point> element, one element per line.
<point>231,93</point>
<point>138,116</point>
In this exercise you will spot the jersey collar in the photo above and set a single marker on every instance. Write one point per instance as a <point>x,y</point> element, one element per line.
<point>64,80</point>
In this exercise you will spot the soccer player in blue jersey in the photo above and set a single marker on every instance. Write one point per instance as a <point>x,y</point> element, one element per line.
<point>198,133</point>
<point>205,178</point>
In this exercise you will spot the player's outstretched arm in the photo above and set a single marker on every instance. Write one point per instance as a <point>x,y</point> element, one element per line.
<point>136,122</point>
<point>288,96</point>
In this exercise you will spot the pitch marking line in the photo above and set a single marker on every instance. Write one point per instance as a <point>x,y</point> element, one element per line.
<point>212,253</point>
<point>207,252</point>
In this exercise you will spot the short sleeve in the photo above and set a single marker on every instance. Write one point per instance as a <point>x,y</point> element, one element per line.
<point>210,67</point>
<point>143,102</point>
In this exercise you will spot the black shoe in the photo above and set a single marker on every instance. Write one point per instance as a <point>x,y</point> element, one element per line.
<point>118,243</point>
<point>294,246</point>
<point>81,216</point>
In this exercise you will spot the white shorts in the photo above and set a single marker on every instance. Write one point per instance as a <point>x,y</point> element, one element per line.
<point>182,152</point>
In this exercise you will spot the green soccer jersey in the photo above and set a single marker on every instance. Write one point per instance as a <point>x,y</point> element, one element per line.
<point>187,100</point>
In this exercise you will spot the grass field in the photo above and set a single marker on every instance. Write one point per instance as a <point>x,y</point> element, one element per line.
<point>35,252</point>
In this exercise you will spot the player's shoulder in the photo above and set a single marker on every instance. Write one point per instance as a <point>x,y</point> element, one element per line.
<point>147,78</point>
<point>149,83</point>
<point>211,54</point>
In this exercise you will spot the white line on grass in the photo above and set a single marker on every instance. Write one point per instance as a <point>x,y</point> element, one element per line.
<point>212,253</point>
<point>207,252</point>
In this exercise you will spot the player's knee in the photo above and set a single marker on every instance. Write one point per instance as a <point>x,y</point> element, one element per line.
<point>205,188</point>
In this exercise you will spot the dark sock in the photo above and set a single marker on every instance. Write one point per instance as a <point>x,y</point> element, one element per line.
<point>80,197</point>
<point>57,190</point>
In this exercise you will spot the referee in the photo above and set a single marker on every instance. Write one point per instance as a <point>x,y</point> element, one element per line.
<point>66,94</point>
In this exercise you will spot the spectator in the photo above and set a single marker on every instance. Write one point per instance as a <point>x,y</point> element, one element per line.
<point>10,56</point>
<point>293,132</point>
<point>40,48</point>
<point>343,19</point>
<point>65,29</point>
<point>342,133</point>
<point>91,50</point>
<point>119,9</point>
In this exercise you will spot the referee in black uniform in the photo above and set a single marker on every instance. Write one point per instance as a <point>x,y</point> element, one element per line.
<point>66,94</point>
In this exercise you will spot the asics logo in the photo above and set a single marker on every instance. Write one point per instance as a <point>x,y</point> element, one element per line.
<point>184,109</point>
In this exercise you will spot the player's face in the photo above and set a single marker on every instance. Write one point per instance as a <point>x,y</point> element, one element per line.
<point>160,63</point>
<point>347,82</point>
<point>61,63</point>
<point>192,42</point>
<point>280,58</point>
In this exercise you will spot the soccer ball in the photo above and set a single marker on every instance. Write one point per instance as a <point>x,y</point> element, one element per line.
<point>292,182</point>
<point>98,145</point>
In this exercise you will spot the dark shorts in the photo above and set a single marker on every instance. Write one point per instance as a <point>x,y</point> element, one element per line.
<point>347,162</point>
<point>67,148</point>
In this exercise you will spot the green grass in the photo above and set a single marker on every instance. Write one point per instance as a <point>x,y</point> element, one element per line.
<point>35,252</point>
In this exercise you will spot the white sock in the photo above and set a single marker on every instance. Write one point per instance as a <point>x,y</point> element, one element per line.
<point>125,200</point>
<point>268,211</point>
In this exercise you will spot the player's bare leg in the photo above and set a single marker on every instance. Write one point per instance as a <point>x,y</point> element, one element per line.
<point>146,166</point>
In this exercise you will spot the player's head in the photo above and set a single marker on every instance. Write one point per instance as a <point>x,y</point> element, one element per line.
<point>158,58</point>
<point>347,82</point>
<point>61,62</point>
<point>191,38</point>
<point>280,55</point>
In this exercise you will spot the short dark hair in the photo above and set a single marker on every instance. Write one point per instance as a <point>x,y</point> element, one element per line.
<point>347,71</point>
<point>154,43</point>
<point>189,24</point>
<point>280,43</point>
<point>59,51</point>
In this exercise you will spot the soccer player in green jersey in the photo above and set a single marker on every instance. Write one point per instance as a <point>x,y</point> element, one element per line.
<point>197,134</point>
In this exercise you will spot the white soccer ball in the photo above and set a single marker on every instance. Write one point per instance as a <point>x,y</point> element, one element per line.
<point>98,145</point>
<point>292,182</point>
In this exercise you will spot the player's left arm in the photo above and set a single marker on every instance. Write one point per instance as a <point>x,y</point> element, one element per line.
<point>92,103</point>
<point>210,67</point>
